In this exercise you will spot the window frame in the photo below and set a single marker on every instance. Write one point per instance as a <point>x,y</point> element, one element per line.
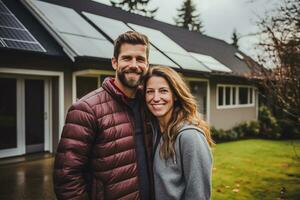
<point>237,103</point>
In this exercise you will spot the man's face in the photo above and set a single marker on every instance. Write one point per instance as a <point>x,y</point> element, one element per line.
<point>131,65</point>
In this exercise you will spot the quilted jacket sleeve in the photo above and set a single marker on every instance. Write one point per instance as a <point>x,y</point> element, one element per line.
<point>73,151</point>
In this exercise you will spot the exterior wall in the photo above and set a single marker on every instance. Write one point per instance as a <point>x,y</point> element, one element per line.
<point>227,118</point>
<point>67,90</point>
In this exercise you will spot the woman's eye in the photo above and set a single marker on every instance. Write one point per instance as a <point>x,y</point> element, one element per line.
<point>149,91</point>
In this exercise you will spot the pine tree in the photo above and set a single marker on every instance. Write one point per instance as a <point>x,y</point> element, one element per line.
<point>188,18</point>
<point>135,6</point>
<point>235,39</point>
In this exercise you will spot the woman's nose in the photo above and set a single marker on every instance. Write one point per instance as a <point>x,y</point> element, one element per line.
<point>156,96</point>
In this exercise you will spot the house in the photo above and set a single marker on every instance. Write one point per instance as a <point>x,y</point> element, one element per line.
<point>54,52</point>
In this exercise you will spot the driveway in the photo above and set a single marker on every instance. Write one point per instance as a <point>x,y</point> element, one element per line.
<point>27,178</point>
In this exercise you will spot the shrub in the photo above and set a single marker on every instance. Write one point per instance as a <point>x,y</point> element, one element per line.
<point>269,127</point>
<point>289,129</point>
<point>248,129</point>
<point>220,135</point>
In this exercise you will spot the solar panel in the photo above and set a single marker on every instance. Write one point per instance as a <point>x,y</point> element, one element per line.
<point>13,33</point>
<point>23,45</point>
<point>1,43</point>
<point>171,48</point>
<point>113,28</point>
<point>211,62</point>
<point>71,30</point>
<point>8,20</point>
<point>89,46</point>
<point>16,34</point>
<point>3,8</point>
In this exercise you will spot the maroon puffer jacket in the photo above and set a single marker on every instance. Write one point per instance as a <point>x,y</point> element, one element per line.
<point>96,157</point>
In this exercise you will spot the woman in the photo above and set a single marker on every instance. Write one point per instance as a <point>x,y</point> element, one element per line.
<point>182,158</point>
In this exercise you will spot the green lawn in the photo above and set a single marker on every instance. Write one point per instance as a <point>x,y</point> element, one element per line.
<point>256,169</point>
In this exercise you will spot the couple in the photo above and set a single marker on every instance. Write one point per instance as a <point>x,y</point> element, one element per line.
<point>126,142</point>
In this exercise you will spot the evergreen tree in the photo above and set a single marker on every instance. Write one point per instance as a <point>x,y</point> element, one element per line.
<point>235,39</point>
<point>188,18</point>
<point>135,6</point>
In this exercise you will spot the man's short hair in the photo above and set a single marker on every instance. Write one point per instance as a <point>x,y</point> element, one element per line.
<point>131,37</point>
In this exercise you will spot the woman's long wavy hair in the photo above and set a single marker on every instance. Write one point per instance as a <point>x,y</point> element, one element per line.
<point>185,109</point>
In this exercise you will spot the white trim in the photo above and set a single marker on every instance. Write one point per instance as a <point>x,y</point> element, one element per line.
<point>50,117</point>
<point>208,103</point>
<point>47,111</point>
<point>196,79</point>
<point>88,73</point>
<point>257,103</point>
<point>60,76</point>
<point>21,110</point>
<point>236,105</point>
<point>207,94</point>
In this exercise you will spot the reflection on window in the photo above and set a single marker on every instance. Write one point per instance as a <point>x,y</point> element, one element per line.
<point>235,96</point>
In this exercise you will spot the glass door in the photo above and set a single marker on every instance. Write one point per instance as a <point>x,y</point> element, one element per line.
<point>8,113</point>
<point>24,115</point>
<point>34,115</point>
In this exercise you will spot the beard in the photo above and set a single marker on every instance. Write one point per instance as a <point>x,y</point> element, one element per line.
<point>130,82</point>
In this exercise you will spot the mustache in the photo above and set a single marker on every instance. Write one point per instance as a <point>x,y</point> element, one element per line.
<point>132,71</point>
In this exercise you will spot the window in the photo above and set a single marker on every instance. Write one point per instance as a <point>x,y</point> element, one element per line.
<point>220,92</point>
<point>85,85</point>
<point>229,96</point>
<point>233,96</point>
<point>243,95</point>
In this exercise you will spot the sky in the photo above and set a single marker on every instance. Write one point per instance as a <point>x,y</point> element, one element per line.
<point>221,17</point>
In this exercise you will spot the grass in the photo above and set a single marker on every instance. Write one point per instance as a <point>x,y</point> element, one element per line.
<point>256,169</point>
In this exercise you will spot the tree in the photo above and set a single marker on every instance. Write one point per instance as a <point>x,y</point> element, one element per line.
<point>135,6</point>
<point>235,39</point>
<point>280,40</point>
<point>188,18</point>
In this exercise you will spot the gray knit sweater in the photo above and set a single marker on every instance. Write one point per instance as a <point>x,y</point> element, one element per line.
<point>188,175</point>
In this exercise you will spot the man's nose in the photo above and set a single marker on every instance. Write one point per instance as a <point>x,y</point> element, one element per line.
<point>133,63</point>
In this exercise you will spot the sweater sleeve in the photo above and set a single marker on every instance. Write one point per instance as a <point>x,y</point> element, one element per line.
<point>72,153</point>
<point>197,165</point>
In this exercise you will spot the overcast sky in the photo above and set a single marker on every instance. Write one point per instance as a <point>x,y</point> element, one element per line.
<point>220,17</point>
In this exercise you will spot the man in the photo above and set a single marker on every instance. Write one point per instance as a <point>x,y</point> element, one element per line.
<point>103,152</point>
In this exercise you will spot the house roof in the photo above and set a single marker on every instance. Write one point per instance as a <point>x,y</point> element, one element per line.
<point>40,35</point>
<point>190,41</point>
<point>193,42</point>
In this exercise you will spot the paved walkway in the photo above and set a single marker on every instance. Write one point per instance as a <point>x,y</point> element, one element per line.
<point>27,178</point>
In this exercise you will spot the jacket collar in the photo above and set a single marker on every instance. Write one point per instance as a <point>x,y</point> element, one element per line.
<point>109,85</point>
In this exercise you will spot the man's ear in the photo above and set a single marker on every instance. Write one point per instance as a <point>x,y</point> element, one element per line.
<point>114,63</point>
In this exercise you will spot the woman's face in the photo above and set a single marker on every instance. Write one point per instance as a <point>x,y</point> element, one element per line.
<point>159,98</point>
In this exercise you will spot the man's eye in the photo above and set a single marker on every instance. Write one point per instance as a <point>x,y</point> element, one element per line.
<point>141,60</point>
